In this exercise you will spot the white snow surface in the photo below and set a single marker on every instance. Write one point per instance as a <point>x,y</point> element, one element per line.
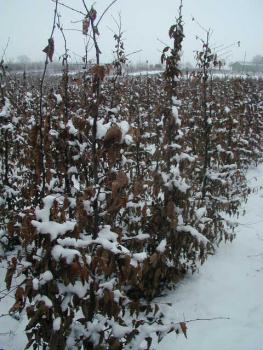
<point>4,113</point>
<point>43,214</point>
<point>58,98</point>
<point>161,247</point>
<point>54,229</point>
<point>71,128</point>
<point>46,277</point>
<point>229,284</point>
<point>193,232</point>
<point>57,324</point>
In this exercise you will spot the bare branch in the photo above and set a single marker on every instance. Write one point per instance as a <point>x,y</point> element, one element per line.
<point>84,4</point>
<point>118,24</point>
<point>134,52</point>
<point>69,8</point>
<point>4,51</point>
<point>162,42</point>
<point>42,154</point>
<point>78,21</point>
<point>199,25</point>
<point>207,319</point>
<point>104,12</point>
<point>6,333</point>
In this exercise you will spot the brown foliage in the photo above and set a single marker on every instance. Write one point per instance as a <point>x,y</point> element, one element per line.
<point>112,136</point>
<point>49,49</point>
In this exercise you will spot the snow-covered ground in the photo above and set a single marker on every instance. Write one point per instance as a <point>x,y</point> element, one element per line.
<point>229,284</point>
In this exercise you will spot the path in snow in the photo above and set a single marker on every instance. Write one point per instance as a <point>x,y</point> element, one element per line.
<point>229,284</point>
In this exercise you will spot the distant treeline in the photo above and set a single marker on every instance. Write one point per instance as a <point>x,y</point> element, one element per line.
<point>247,67</point>
<point>56,67</point>
<point>38,66</point>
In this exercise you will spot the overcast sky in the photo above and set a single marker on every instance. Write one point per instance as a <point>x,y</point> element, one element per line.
<point>28,24</point>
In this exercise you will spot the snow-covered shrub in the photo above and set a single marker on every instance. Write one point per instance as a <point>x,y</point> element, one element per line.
<point>121,187</point>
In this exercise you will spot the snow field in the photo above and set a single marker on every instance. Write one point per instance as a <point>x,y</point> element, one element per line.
<point>229,284</point>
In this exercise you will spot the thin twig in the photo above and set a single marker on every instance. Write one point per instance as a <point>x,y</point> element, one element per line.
<point>104,12</point>
<point>229,52</point>
<point>6,333</point>
<point>42,154</point>
<point>225,47</point>
<point>250,223</point>
<point>162,42</point>
<point>11,290</point>
<point>4,51</point>
<point>254,255</point>
<point>73,29</point>
<point>198,320</point>
<point>69,8</point>
<point>134,52</point>
<point>207,319</point>
<point>118,24</point>
<point>203,28</point>
<point>75,22</point>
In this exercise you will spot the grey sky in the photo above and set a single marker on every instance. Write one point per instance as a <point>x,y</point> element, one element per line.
<point>28,24</point>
